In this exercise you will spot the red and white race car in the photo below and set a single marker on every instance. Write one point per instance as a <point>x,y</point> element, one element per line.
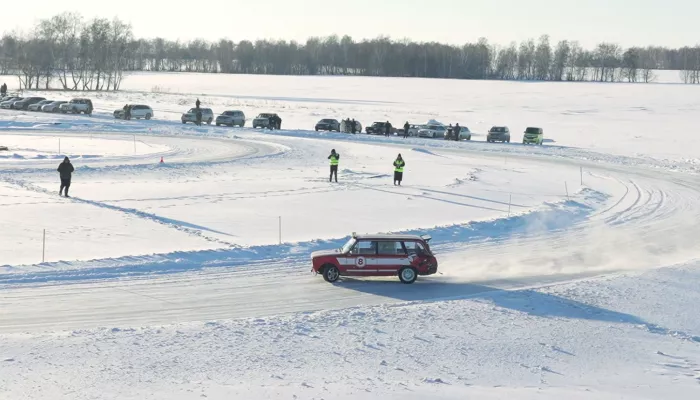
<point>377,255</point>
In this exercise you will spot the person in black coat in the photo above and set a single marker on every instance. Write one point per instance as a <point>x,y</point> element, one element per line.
<point>387,128</point>
<point>65,170</point>
<point>197,103</point>
<point>406,127</point>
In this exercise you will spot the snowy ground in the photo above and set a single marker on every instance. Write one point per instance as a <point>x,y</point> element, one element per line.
<point>189,278</point>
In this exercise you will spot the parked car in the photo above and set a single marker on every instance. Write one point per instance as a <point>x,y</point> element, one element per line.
<point>405,256</point>
<point>379,128</point>
<point>533,135</point>
<point>77,106</point>
<point>498,134</point>
<point>138,111</point>
<point>345,126</point>
<point>433,131</point>
<point>464,133</point>
<point>26,102</point>
<point>263,120</point>
<point>191,116</point>
<point>53,107</point>
<point>328,124</point>
<point>7,104</point>
<point>413,130</point>
<point>37,106</point>
<point>231,118</point>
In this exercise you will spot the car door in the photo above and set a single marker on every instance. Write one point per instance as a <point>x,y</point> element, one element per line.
<point>362,258</point>
<point>391,257</point>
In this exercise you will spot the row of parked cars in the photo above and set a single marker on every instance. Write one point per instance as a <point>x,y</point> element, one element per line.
<point>432,130</point>
<point>227,118</point>
<point>41,104</point>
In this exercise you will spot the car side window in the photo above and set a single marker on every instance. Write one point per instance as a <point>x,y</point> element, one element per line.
<point>365,248</point>
<point>414,247</point>
<point>391,248</point>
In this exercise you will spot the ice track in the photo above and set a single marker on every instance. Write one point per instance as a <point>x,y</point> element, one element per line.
<point>603,234</point>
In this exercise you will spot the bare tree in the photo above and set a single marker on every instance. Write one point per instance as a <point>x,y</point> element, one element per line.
<point>543,59</point>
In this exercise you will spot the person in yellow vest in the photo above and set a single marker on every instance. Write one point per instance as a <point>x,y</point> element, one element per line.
<point>398,170</point>
<point>335,158</point>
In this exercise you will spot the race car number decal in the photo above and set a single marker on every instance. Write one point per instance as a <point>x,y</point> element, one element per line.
<point>360,262</point>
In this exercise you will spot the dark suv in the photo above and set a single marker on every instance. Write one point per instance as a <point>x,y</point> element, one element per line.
<point>378,128</point>
<point>498,134</point>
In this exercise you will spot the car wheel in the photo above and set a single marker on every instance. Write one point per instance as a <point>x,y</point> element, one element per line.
<point>209,121</point>
<point>184,122</point>
<point>148,116</point>
<point>408,275</point>
<point>331,273</point>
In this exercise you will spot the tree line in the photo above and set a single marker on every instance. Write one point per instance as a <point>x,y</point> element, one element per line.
<point>75,54</point>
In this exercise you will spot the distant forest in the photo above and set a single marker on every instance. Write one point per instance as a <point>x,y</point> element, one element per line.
<point>66,52</point>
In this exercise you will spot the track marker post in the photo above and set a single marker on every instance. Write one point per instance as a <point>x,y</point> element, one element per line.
<point>510,200</point>
<point>280,229</point>
<point>566,186</point>
<point>43,248</point>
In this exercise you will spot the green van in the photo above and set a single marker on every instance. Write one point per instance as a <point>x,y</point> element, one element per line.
<point>533,135</point>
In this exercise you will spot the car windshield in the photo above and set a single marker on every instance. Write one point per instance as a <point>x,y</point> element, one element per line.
<point>436,127</point>
<point>229,113</point>
<point>532,130</point>
<point>327,120</point>
<point>378,124</point>
<point>348,246</point>
<point>498,129</point>
<point>192,110</point>
<point>264,115</point>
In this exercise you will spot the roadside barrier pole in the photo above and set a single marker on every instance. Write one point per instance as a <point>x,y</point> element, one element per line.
<point>510,200</point>
<point>566,186</point>
<point>43,248</point>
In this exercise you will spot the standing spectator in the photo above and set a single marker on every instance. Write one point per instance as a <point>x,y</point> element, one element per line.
<point>335,159</point>
<point>3,90</point>
<point>406,127</point>
<point>197,103</point>
<point>199,116</point>
<point>278,120</point>
<point>456,130</point>
<point>387,128</point>
<point>65,170</point>
<point>398,170</point>
<point>353,126</point>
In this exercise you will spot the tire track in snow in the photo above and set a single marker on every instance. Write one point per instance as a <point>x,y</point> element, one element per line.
<point>190,229</point>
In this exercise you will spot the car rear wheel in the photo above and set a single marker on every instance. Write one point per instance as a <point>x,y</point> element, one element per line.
<point>148,116</point>
<point>408,275</point>
<point>331,273</point>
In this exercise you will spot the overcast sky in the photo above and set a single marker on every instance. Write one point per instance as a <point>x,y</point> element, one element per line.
<point>627,22</point>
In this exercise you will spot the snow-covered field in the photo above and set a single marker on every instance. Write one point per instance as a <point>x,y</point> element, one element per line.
<point>567,270</point>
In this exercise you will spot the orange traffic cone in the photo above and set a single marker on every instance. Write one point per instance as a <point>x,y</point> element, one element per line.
<point>161,159</point>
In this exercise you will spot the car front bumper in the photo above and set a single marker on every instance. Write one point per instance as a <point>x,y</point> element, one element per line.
<point>497,137</point>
